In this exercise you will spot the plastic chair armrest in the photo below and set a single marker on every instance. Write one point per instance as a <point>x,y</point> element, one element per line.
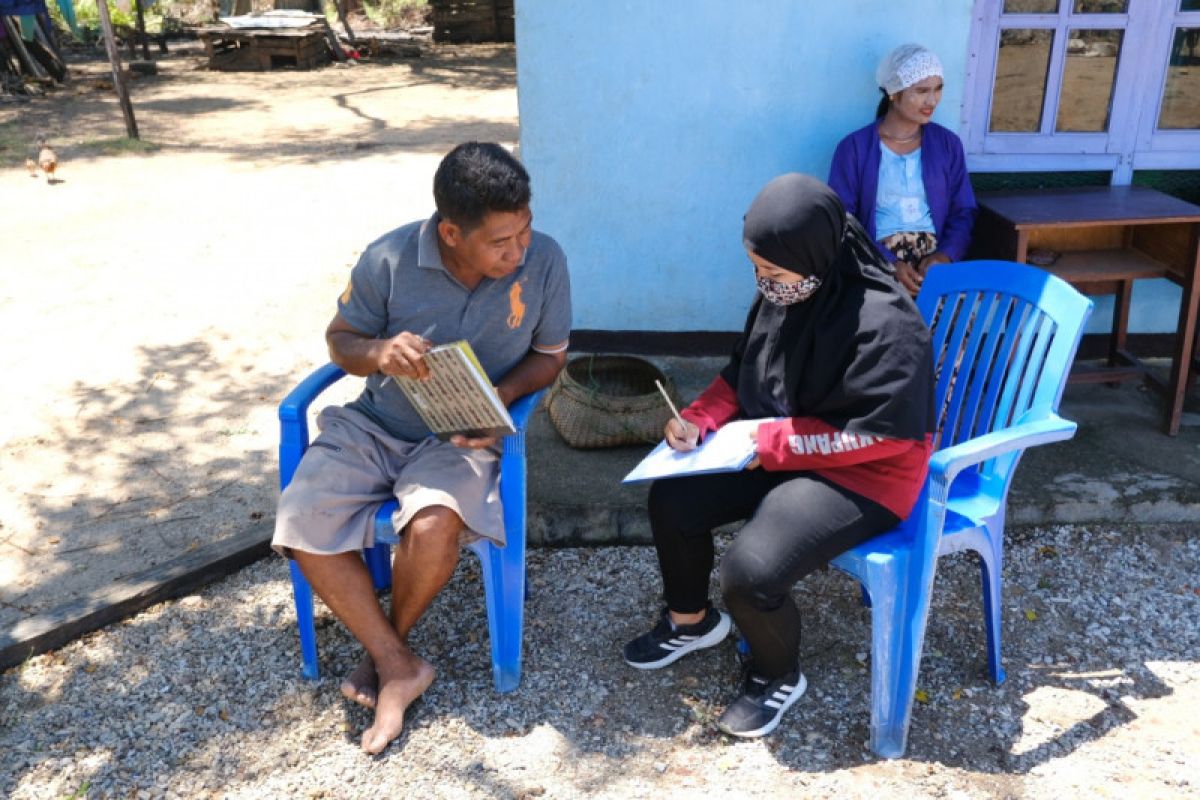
<point>944,465</point>
<point>293,418</point>
<point>296,404</point>
<point>522,408</point>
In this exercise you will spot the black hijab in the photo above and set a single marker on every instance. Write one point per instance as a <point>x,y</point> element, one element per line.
<point>856,354</point>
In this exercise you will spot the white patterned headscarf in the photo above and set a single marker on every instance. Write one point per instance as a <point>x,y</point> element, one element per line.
<point>906,65</point>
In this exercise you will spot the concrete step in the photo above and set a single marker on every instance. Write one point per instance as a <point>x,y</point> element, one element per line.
<point>1119,468</point>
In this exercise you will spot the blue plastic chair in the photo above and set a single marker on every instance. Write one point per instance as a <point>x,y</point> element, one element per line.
<point>503,567</point>
<point>1004,337</point>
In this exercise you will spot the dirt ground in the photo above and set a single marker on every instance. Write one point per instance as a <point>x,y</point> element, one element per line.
<point>157,302</point>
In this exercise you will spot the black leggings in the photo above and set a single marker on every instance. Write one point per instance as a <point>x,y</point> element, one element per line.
<point>797,522</point>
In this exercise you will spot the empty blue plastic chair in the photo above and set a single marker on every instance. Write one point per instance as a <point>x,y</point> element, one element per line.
<point>503,567</point>
<point>1004,337</point>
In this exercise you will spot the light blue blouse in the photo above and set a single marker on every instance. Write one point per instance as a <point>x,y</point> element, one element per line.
<point>900,203</point>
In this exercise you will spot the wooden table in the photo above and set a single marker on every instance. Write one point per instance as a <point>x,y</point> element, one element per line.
<point>241,49</point>
<point>1106,238</point>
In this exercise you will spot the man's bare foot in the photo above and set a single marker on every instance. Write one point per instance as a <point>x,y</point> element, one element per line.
<point>362,685</point>
<point>399,685</point>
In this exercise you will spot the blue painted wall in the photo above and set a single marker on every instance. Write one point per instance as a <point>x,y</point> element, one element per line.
<point>648,127</point>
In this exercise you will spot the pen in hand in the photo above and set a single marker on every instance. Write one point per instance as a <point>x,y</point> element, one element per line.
<point>683,424</point>
<point>428,332</point>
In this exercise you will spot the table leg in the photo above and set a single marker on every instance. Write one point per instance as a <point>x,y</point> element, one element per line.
<point>1185,337</point>
<point>1022,247</point>
<point>1120,329</point>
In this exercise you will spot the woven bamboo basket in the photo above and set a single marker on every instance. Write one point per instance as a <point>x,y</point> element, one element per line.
<point>608,401</point>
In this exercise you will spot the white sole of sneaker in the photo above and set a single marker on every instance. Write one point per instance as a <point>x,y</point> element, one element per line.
<point>713,637</point>
<point>790,701</point>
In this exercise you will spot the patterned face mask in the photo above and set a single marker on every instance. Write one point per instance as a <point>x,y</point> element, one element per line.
<point>786,294</point>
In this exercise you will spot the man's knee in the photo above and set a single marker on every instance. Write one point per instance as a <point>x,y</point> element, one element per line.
<point>435,524</point>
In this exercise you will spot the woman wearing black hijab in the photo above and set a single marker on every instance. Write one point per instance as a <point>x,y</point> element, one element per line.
<point>837,352</point>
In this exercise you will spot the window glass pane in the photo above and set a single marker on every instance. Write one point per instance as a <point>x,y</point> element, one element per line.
<point>1181,97</point>
<point>1190,5</point>
<point>1032,6</point>
<point>1101,6</point>
<point>1020,88</point>
<point>1087,84</point>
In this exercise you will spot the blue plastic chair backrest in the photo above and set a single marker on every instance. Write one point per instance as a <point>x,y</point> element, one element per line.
<point>997,348</point>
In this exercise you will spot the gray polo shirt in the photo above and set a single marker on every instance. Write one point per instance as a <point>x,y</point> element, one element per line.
<point>400,284</point>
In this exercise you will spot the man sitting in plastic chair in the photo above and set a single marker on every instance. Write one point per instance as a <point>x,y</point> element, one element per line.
<point>475,270</point>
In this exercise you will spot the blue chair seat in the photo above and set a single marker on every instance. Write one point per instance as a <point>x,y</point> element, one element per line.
<point>503,567</point>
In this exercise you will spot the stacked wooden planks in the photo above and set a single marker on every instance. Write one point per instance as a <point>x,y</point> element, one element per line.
<point>472,20</point>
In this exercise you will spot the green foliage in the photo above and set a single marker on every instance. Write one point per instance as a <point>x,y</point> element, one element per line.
<point>87,15</point>
<point>387,13</point>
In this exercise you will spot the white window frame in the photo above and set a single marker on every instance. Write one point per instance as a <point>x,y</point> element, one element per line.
<point>1132,140</point>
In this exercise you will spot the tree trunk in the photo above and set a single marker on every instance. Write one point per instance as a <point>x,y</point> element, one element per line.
<point>114,58</point>
<point>344,15</point>
<point>141,29</point>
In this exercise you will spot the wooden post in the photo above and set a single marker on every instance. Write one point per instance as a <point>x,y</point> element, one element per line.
<point>344,19</point>
<point>114,58</point>
<point>141,28</point>
<point>335,46</point>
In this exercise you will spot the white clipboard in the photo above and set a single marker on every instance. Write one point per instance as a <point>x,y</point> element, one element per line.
<point>728,449</point>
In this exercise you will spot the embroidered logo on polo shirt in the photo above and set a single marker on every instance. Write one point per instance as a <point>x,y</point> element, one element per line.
<point>516,306</point>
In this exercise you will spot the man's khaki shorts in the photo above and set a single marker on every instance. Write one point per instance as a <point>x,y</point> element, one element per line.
<point>354,465</point>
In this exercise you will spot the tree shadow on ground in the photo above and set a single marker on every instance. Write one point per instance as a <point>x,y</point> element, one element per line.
<point>152,468</point>
<point>174,108</point>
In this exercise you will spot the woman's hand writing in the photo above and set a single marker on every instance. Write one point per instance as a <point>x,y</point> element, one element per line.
<point>681,437</point>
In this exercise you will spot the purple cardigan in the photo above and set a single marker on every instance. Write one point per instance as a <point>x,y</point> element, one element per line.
<point>854,175</point>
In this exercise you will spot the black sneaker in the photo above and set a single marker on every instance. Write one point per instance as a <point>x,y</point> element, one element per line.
<point>758,711</point>
<point>668,643</point>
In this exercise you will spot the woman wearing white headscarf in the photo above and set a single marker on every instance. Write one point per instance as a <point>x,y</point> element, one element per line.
<point>905,177</point>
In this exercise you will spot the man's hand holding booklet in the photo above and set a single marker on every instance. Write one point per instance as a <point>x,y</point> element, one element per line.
<point>457,398</point>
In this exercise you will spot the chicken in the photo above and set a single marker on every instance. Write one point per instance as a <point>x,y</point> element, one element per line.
<point>32,166</point>
<point>47,159</point>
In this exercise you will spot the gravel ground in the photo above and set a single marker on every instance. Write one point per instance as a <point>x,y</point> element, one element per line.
<point>202,697</point>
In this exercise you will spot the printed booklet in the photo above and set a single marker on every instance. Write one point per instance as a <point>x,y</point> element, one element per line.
<point>458,396</point>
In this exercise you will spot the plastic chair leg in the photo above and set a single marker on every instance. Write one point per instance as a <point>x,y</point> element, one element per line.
<point>991,567</point>
<point>379,564</point>
<point>504,589</point>
<point>305,622</point>
<point>894,661</point>
<point>504,571</point>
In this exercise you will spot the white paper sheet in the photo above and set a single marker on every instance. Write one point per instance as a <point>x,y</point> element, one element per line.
<point>726,450</point>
